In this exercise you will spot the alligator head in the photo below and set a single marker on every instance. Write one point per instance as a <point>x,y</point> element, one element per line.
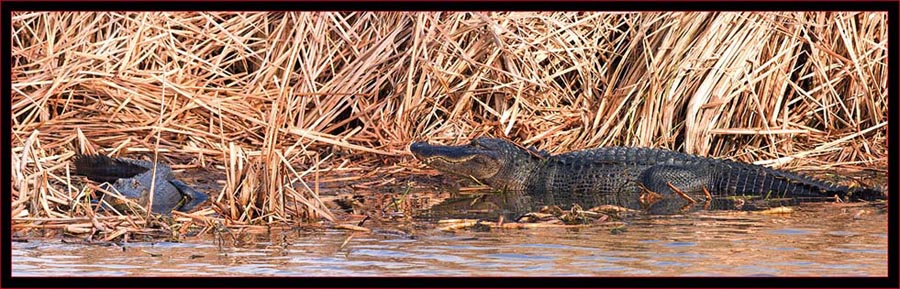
<point>495,162</point>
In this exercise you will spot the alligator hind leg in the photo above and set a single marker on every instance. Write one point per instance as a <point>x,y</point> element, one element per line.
<point>680,193</point>
<point>683,195</point>
<point>690,200</point>
<point>683,181</point>
<point>649,199</point>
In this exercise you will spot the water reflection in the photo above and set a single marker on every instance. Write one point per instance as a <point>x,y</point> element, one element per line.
<point>510,205</point>
<point>816,240</point>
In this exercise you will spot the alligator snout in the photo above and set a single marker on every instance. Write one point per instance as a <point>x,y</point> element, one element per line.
<point>423,151</point>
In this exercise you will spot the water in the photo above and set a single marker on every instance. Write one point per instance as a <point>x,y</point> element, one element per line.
<point>815,240</point>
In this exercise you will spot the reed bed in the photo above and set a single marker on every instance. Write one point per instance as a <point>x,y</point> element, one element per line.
<point>279,103</point>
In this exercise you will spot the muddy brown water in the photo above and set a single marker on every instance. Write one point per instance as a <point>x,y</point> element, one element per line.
<point>814,240</point>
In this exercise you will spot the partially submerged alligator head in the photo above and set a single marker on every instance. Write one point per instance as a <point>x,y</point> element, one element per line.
<point>494,162</point>
<point>133,179</point>
<point>623,176</point>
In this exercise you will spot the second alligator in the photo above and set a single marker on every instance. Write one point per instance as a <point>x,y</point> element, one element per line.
<point>133,179</point>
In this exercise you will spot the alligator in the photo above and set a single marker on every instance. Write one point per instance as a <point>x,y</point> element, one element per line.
<point>133,180</point>
<point>629,177</point>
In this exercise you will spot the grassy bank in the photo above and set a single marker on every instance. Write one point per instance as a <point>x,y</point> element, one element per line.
<point>281,102</point>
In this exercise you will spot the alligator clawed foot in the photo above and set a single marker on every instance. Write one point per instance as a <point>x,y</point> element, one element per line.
<point>686,207</point>
<point>648,197</point>
<point>708,198</point>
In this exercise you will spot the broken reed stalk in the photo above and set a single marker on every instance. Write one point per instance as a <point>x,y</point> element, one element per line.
<point>268,95</point>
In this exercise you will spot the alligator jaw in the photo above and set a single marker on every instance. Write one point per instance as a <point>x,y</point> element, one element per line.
<point>425,151</point>
<point>464,160</point>
<point>439,158</point>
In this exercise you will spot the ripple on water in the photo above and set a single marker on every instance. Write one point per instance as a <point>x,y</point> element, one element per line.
<point>680,244</point>
<point>548,246</point>
<point>841,266</point>
<point>516,257</point>
<point>606,258</point>
<point>399,240</point>
<point>60,257</point>
<point>791,231</point>
<point>667,264</point>
<point>56,271</point>
<point>379,253</point>
<point>842,233</point>
<point>784,249</point>
<point>700,274</point>
<point>193,265</point>
<point>546,267</point>
<point>750,270</point>
<point>25,260</point>
<point>337,259</point>
<point>105,273</point>
<point>683,255</point>
<point>486,264</point>
<point>609,268</point>
<point>854,250</point>
<point>255,269</point>
<point>25,267</point>
<point>248,254</point>
<point>467,248</point>
<point>375,264</point>
<point>442,258</point>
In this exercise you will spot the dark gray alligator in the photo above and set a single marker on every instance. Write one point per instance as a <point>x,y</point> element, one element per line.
<point>635,178</point>
<point>133,180</point>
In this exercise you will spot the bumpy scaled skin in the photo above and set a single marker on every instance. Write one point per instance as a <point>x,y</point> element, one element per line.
<point>637,178</point>
<point>133,179</point>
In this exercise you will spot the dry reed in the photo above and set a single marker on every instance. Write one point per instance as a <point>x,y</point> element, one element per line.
<point>280,102</point>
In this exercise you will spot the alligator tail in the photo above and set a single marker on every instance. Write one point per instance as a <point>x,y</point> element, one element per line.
<point>747,178</point>
<point>862,193</point>
<point>101,168</point>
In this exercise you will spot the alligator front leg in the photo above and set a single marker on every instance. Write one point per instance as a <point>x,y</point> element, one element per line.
<point>191,197</point>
